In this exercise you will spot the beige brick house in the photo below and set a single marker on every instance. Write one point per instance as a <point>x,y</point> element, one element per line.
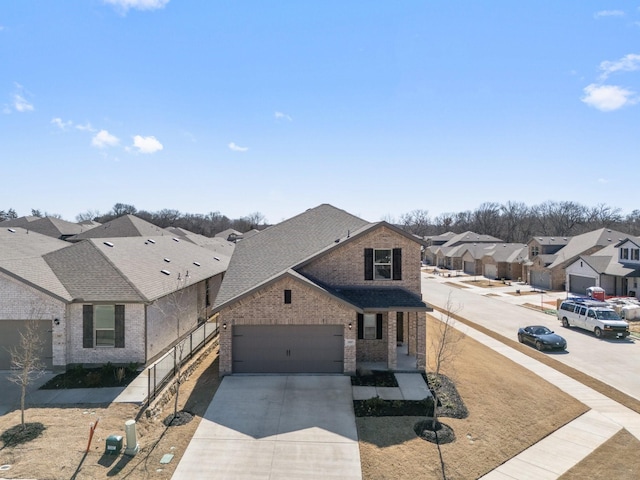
<point>322,292</point>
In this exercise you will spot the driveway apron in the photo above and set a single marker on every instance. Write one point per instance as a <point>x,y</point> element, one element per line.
<point>276,427</point>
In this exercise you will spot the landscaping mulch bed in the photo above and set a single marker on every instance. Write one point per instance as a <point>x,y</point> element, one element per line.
<point>106,376</point>
<point>374,378</point>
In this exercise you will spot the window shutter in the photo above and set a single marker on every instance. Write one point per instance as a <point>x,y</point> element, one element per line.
<point>368,263</point>
<point>87,326</point>
<point>397,264</point>
<point>119,333</point>
<point>360,326</point>
<point>379,326</point>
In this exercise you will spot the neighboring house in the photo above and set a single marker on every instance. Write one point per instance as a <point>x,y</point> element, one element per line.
<point>505,261</point>
<point>229,234</point>
<point>29,291</point>
<point>547,272</point>
<point>449,255</point>
<point>615,268</point>
<point>321,293</point>
<point>116,300</point>
<point>50,226</point>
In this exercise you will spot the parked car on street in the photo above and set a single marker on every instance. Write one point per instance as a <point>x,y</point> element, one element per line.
<point>541,337</point>
<point>597,317</point>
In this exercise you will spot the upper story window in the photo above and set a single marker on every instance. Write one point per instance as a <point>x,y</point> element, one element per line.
<point>383,264</point>
<point>635,254</point>
<point>624,254</point>
<point>534,250</point>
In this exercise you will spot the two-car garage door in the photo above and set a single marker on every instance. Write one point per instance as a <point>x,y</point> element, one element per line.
<point>10,338</point>
<point>288,349</point>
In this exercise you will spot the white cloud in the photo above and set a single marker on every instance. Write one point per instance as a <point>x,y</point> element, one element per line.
<point>21,104</point>
<point>608,97</point>
<point>603,180</point>
<point>124,5</point>
<point>85,128</point>
<point>609,13</point>
<point>282,116</point>
<point>147,144</point>
<point>104,139</point>
<point>237,148</point>
<point>628,63</point>
<point>61,124</point>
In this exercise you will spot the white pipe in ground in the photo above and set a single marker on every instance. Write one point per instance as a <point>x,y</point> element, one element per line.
<point>132,444</point>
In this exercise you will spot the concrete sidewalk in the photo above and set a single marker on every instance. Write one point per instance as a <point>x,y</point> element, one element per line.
<point>135,392</point>
<point>411,386</point>
<point>564,448</point>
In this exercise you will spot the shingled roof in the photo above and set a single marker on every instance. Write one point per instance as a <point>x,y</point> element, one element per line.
<point>284,245</point>
<point>279,249</point>
<point>123,226</point>
<point>133,269</point>
<point>579,244</point>
<point>21,252</point>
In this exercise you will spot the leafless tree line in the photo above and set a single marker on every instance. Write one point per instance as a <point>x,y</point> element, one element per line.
<point>517,222</point>
<point>511,222</point>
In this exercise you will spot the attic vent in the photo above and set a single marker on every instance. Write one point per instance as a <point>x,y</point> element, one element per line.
<point>337,240</point>
<point>196,264</point>
<point>553,239</point>
<point>608,239</point>
<point>216,258</point>
<point>150,240</point>
<point>175,239</point>
<point>12,230</point>
<point>166,272</point>
<point>167,260</point>
<point>564,238</point>
<point>108,244</point>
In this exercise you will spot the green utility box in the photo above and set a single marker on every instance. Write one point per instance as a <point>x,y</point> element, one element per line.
<point>114,444</point>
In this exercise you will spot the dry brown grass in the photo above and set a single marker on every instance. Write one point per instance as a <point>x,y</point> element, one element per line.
<point>617,458</point>
<point>510,409</point>
<point>59,453</point>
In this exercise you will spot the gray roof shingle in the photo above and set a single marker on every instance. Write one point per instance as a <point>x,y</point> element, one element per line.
<point>277,248</point>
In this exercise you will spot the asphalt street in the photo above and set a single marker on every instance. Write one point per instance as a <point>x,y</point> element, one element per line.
<point>615,362</point>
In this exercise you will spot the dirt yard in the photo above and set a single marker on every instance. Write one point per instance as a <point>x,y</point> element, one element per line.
<point>59,452</point>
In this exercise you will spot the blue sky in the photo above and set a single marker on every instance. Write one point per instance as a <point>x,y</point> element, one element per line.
<point>376,107</point>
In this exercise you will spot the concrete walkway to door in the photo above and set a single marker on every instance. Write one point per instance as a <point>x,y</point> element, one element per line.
<point>276,427</point>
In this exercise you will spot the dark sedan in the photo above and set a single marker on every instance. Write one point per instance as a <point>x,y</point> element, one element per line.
<point>541,337</point>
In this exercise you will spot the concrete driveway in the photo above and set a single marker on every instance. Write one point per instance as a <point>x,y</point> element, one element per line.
<point>276,427</point>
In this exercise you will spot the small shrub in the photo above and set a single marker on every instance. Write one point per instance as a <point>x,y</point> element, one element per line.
<point>94,379</point>
<point>119,373</point>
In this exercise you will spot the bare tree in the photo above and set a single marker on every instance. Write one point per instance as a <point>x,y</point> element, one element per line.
<point>89,215</point>
<point>416,222</point>
<point>444,347</point>
<point>26,362</point>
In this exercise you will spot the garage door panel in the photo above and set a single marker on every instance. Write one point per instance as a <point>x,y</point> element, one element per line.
<point>541,280</point>
<point>10,337</point>
<point>579,284</point>
<point>288,349</point>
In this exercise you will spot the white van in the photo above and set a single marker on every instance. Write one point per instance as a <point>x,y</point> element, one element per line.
<point>597,317</point>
